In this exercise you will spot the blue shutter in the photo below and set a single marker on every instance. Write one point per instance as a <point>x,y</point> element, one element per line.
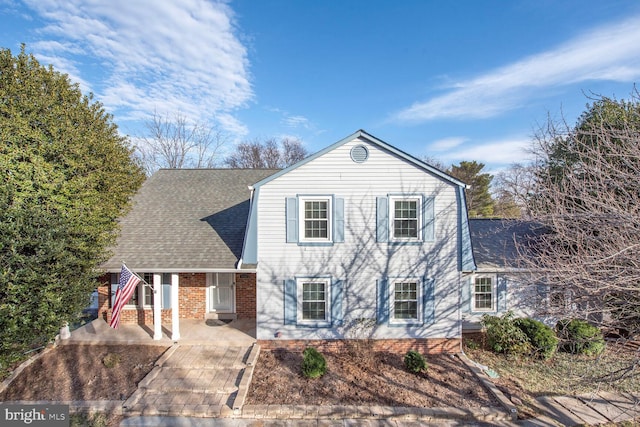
<point>502,294</point>
<point>383,301</point>
<point>337,295</point>
<point>382,219</point>
<point>465,298</point>
<point>166,290</point>
<point>292,220</point>
<point>428,219</point>
<point>428,301</point>
<point>290,302</point>
<point>338,216</point>
<point>166,295</point>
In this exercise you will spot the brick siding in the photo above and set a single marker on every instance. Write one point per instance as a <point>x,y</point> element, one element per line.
<point>398,346</point>
<point>246,295</point>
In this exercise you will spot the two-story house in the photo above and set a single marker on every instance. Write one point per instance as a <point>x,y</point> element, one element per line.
<point>359,240</point>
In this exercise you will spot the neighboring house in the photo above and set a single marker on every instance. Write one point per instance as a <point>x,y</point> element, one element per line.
<point>359,240</point>
<point>498,284</point>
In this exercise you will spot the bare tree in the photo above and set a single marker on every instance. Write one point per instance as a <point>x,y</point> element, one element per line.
<point>174,142</point>
<point>513,188</point>
<point>587,199</point>
<point>267,155</point>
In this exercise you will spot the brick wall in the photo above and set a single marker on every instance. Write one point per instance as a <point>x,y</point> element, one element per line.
<point>191,297</point>
<point>246,295</point>
<point>399,346</point>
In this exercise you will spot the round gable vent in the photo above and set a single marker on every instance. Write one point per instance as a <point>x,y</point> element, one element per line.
<point>359,154</point>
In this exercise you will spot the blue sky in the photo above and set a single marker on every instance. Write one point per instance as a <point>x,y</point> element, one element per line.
<point>464,80</point>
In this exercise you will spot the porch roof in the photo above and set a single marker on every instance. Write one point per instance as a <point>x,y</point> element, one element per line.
<point>186,220</point>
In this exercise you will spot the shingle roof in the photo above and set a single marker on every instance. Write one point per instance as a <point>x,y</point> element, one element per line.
<point>187,219</point>
<point>494,240</point>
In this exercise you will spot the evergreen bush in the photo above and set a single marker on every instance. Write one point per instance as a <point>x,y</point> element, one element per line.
<point>415,362</point>
<point>503,336</point>
<point>579,337</point>
<point>542,338</point>
<point>314,364</point>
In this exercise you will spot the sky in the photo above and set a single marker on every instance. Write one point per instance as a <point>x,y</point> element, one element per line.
<point>451,81</point>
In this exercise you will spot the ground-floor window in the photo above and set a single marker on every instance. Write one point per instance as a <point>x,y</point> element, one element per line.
<point>405,300</point>
<point>143,295</point>
<point>484,293</point>
<point>313,300</point>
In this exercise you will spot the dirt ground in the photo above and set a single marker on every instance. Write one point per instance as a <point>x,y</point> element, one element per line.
<point>106,372</point>
<point>84,372</point>
<point>380,380</point>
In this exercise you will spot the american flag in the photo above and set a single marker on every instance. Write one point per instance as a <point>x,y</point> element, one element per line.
<point>126,287</point>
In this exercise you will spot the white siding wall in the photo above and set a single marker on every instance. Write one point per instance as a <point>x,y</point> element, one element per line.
<point>360,261</point>
<point>522,299</point>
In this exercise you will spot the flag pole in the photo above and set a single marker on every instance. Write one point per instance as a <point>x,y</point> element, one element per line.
<point>157,308</point>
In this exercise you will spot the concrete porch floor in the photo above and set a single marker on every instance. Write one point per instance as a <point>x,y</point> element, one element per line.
<point>192,331</point>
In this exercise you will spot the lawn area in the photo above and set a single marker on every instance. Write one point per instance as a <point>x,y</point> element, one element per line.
<point>616,370</point>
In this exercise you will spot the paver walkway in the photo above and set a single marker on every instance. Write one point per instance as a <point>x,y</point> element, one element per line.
<point>191,380</point>
<point>593,408</point>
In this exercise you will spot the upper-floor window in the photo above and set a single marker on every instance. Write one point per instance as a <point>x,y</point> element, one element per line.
<point>406,218</point>
<point>314,220</point>
<point>315,214</point>
<point>484,293</point>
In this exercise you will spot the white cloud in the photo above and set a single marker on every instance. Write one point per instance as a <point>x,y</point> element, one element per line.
<point>296,121</point>
<point>447,143</point>
<point>180,56</point>
<point>610,52</point>
<point>506,151</point>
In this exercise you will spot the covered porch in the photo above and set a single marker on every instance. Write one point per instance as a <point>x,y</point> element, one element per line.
<point>192,331</point>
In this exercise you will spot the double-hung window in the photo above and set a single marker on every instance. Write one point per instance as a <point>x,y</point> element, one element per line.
<point>315,215</point>
<point>135,297</point>
<point>313,300</point>
<point>406,218</point>
<point>484,293</point>
<point>405,301</point>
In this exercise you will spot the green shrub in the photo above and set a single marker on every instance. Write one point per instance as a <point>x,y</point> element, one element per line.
<point>503,336</point>
<point>415,362</point>
<point>579,337</point>
<point>542,338</point>
<point>111,360</point>
<point>314,364</point>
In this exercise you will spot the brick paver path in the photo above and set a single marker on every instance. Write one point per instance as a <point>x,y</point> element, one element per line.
<point>196,380</point>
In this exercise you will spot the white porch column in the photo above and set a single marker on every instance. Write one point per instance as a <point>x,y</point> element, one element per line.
<point>175,308</point>
<point>157,306</point>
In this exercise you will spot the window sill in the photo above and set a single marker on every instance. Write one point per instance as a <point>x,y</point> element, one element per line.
<point>314,243</point>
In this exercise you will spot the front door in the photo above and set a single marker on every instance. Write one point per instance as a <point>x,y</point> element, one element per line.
<point>221,293</point>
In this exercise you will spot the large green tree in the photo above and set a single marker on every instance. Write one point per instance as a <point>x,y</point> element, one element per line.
<point>479,200</point>
<point>67,175</point>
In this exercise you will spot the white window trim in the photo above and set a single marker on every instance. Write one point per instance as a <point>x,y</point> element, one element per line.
<point>140,289</point>
<point>392,217</point>
<point>392,300</point>
<point>143,288</point>
<point>494,293</point>
<point>302,219</point>
<point>327,296</point>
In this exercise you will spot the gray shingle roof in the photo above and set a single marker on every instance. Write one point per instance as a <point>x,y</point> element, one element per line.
<point>493,240</point>
<point>187,219</point>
